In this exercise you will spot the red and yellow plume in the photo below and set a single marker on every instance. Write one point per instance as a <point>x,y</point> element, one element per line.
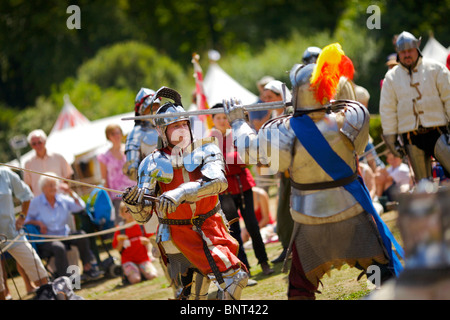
<point>331,65</point>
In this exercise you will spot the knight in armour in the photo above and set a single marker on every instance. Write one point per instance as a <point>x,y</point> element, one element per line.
<point>334,219</point>
<point>143,138</point>
<point>180,182</point>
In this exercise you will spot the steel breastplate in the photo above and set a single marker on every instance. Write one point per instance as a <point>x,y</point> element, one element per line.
<point>305,170</point>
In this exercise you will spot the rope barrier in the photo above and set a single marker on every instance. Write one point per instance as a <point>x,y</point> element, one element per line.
<point>50,238</point>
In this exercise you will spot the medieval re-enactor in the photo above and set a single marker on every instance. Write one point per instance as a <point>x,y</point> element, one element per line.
<point>143,139</point>
<point>335,222</point>
<point>424,223</point>
<point>187,177</point>
<point>415,108</point>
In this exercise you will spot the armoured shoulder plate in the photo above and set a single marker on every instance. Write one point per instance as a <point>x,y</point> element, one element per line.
<point>207,154</point>
<point>355,125</point>
<point>156,167</point>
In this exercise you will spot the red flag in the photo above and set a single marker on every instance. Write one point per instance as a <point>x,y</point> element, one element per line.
<point>201,100</point>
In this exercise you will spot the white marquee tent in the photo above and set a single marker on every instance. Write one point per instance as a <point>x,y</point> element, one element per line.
<point>435,50</point>
<point>218,85</point>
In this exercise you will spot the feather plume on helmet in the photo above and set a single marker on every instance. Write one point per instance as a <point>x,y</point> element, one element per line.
<point>331,65</point>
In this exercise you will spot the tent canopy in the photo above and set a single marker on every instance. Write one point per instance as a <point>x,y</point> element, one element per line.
<point>219,85</point>
<point>434,50</point>
<point>68,117</point>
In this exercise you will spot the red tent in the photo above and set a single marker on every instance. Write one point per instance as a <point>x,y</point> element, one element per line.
<point>69,117</point>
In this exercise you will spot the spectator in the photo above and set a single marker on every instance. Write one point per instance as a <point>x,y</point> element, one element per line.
<point>133,244</point>
<point>111,164</point>
<point>43,161</point>
<point>415,108</point>
<point>22,252</point>
<point>266,222</point>
<point>239,193</point>
<point>51,211</point>
<point>273,92</point>
<point>369,180</point>
<point>394,179</point>
<point>258,118</point>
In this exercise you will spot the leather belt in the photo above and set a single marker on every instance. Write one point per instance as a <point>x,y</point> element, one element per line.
<point>324,185</point>
<point>198,221</point>
<point>422,130</point>
<point>195,221</point>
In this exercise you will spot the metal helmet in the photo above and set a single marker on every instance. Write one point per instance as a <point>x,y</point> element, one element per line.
<point>406,40</point>
<point>143,100</point>
<point>424,223</point>
<point>168,108</point>
<point>310,55</point>
<point>302,95</point>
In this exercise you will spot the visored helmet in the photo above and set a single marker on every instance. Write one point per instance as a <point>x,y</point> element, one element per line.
<point>406,40</point>
<point>143,100</point>
<point>310,55</point>
<point>302,95</point>
<point>168,108</point>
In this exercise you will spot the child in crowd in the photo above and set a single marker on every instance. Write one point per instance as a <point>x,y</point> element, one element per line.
<point>133,244</point>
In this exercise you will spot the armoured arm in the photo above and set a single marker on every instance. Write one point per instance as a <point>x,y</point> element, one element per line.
<point>245,138</point>
<point>356,124</point>
<point>152,169</point>
<point>191,192</point>
<point>213,182</point>
<point>132,154</point>
<point>276,144</point>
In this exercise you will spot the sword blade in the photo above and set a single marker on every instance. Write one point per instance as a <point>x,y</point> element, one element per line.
<point>250,107</point>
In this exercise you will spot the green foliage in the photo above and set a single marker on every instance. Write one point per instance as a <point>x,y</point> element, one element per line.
<point>130,65</point>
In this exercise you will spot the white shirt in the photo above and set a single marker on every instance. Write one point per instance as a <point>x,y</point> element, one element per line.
<point>403,107</point>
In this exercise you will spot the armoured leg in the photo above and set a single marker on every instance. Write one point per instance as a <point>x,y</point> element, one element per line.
<point>420,162</point>
<point>442,151</point>
<point>235,281</point>
<point>200,287</point>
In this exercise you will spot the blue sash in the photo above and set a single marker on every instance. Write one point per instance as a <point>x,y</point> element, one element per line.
<point>316,145</point>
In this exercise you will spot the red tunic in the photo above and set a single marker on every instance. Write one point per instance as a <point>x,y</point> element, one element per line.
<point>222,245</point>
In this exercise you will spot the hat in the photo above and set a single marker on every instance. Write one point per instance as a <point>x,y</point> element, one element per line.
<point>264,80</point>
<point>277,87</point>
<point>391,60</point>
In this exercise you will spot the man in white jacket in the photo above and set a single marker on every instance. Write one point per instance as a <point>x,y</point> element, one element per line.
<point>415,108</point>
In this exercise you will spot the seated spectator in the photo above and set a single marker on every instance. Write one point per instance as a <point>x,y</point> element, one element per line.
<point>22,251</point>
<point>369,179</point>
<point>439,175</point>
<point>51,211</point>
<point>395,178</point>
<point>133,244</point>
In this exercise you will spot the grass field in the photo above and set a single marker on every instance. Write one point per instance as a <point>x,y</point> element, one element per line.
<point>338,285</point>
